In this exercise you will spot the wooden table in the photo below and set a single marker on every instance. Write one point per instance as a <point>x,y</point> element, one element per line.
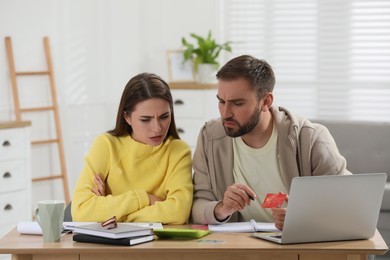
<point>216,246</point>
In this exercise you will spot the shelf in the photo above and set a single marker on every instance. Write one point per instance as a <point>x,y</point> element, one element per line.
<point>14,124</point>
<point>191,85</point>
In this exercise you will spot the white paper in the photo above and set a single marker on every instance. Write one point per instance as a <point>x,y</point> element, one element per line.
<point>70,225</point>
<point>145,224</point>
<point>29,227</point>
<point>264,226</point>
<point>250,226</point>
<point>33,228</point>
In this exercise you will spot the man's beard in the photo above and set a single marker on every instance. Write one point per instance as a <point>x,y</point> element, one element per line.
<point>246,128</point>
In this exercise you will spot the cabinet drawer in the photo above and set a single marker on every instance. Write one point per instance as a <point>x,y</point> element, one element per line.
<point>12,175</point>
<point>6,257</point>
<point>12,143</point>
<point>5,229</point>
<point>13,207</point>
<point>188,103</point>
<point>189,130</point>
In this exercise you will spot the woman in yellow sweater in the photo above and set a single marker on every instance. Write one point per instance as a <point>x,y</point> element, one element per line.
<point>140,171</point>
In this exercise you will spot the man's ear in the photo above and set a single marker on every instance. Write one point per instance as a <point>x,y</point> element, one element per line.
<point>267,101</point>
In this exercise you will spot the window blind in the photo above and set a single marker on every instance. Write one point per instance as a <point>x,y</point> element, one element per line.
<point>331,58</point>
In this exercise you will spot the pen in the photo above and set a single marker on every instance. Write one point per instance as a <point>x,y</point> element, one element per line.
<point>250,196</point>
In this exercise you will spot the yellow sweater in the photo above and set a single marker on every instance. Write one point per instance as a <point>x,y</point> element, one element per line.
<point>131,170</point>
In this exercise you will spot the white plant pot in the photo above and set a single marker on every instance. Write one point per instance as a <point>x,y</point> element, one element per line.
<point>207,73</point>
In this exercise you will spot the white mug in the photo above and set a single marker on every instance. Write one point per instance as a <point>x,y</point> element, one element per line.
<point>50,216</point>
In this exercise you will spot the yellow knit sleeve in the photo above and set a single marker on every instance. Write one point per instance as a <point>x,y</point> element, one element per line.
<point>86,206</point>
<point>177,187</point>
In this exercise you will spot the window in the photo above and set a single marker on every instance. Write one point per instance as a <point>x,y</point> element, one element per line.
<point>331,58</point>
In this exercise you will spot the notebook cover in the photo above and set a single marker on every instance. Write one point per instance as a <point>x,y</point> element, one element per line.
<point>128,241</point>
<point>121,231</point>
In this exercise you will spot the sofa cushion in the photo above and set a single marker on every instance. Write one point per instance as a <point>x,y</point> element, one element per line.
<point>386,200</point>
<point>365,145</point>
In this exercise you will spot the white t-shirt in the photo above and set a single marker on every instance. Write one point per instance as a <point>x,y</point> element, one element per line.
<point>259,169</point>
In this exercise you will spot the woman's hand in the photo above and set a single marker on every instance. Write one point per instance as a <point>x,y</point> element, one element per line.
<point>153,199</point>
<point>100,189</point>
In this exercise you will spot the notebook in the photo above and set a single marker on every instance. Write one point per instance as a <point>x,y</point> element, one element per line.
<point>123,230</point>
<point>331,208</point>
<point>249,226</point>
<point>127,241</point>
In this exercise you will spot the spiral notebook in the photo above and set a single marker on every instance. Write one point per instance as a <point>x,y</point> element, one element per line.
<point>123,230</point>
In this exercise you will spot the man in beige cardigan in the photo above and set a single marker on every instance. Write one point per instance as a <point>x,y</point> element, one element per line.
<point>254,149</point>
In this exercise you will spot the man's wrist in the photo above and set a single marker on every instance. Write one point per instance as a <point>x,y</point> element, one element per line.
<point>218,214</point>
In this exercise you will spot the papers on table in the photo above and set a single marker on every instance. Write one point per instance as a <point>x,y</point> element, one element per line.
<point>29,227</point>
<point>122,230</point>
<point>250,226</point>
<point>33,228</point>
<point>155,225</point>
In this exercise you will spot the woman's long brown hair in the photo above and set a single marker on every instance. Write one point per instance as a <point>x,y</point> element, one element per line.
<point>142,87</point>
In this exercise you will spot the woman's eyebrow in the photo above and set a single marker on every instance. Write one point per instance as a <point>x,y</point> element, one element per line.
<point>163,114</point>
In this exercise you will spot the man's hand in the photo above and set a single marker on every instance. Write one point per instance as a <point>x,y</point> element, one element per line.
<point>279,214</point>
<point>236,197</point>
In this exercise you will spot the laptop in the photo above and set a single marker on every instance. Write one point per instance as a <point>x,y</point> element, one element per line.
<point>331,208</point>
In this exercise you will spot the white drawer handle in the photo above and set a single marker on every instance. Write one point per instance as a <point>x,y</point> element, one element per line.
<point>6,143</point>
<point>8,207</point>
<point>179,102</point>
<point>7,175</point>
<point>180,130</point>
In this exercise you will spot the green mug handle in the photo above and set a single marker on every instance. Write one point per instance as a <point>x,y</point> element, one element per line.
<point>37,216</point>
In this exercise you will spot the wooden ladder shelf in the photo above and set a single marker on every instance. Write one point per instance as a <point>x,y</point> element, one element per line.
<point>53,107</point>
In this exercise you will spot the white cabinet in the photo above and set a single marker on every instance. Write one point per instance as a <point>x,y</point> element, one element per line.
<point>15,175</point>
<point>194,104</point>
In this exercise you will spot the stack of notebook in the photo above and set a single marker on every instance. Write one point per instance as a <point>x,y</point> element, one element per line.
<point>123,234</point>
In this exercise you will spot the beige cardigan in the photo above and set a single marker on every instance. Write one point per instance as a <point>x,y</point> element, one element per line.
<point>304,149</point>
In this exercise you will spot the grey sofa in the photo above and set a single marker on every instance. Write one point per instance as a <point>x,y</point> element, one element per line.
<point>366,147</point>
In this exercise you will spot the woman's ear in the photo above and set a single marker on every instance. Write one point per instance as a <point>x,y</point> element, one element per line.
<point>127,118</point>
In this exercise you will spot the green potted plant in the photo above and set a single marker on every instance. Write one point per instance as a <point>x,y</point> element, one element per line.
<point>204,55</point>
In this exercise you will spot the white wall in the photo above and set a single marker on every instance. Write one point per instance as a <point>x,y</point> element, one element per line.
<point>97,46</point>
